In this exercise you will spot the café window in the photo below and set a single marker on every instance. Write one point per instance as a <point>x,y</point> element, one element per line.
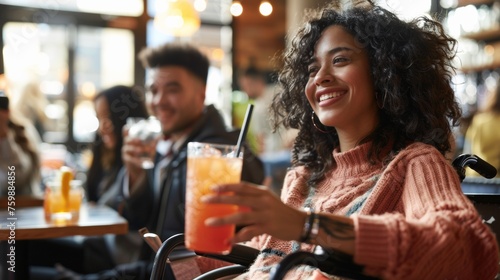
<point>67,51</point>
<point>107,7</point>
<point>37,59</point>
<point>214,38</point>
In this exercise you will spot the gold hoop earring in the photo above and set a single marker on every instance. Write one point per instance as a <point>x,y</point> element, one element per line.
<point>315,126</point>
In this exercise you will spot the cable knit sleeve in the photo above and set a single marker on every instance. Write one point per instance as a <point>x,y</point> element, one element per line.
<point>293,186</point>
<point>428,229</point>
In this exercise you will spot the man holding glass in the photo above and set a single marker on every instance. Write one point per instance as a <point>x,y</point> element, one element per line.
<point>176,98</point>
<point>155,198</point>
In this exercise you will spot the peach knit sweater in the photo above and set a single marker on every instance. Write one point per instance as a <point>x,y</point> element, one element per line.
<point>414,221</point>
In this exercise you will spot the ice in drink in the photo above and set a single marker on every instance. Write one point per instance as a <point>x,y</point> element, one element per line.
<point>209,165</point>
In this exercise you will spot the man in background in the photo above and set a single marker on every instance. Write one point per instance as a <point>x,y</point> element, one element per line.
<point>273,147</point>
<point>155,198</point>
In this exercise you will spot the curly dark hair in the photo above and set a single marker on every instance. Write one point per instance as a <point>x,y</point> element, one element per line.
<point>411,65</point>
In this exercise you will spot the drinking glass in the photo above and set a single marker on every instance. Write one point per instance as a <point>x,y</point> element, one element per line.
<point>147,130</point>
<point>59,206</point>
<point>209,165</point>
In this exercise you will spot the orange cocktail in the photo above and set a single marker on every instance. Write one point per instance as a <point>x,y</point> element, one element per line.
<point>63,197</point>
<point>209,165</point>
<point>56,206</point>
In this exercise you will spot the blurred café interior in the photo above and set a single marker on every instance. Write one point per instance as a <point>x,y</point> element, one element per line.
<point>57,54</point>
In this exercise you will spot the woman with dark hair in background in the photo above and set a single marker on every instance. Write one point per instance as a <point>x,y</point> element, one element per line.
<point>113,106</point>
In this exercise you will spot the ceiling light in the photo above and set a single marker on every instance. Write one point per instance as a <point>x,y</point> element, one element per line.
<point>200,5</point>
<point>179,19</point>
<point>236,9</point>
<point>265,8</point>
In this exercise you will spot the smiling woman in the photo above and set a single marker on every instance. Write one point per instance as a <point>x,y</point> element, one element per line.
<point>381,87</point>
<point>340,88</point>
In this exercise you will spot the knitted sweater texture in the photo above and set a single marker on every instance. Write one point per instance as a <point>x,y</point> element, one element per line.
<point>411,219</point>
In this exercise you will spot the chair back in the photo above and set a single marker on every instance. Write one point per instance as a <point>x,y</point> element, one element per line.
<point>488,206</point>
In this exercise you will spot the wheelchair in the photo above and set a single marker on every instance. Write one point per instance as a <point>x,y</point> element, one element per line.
<point>329,261</point>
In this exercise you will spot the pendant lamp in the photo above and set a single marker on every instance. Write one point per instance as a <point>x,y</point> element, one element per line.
<point>178,18</point>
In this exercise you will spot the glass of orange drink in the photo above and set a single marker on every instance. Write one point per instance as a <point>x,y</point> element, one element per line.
<point>63,198</point>
<point>209,165</point>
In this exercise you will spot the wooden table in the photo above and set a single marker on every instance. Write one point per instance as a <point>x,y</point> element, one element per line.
<point>29,224</point>
<point>21,201</point>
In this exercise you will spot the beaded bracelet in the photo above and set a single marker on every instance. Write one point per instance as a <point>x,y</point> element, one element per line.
<point>306,231</point>
<point>311,227</point>
<point>314,229</point>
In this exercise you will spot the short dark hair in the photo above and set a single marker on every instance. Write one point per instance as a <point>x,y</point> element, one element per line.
<point>173,54</point>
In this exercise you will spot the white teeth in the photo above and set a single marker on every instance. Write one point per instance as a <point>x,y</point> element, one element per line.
<point>329,95</point>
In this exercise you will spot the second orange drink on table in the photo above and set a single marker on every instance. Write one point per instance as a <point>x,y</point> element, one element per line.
<point>63,197</point>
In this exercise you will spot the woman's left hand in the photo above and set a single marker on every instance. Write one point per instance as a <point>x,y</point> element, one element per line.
<point>266,214</point>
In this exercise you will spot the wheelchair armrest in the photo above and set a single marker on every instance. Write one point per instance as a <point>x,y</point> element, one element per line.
<point>222,272</point>
<point>474,162</point>
<point>161,256</point>
<point>333,263</point>
<point>240,254</point>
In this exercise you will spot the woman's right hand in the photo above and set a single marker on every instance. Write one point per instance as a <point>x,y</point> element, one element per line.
<point>266,213</point>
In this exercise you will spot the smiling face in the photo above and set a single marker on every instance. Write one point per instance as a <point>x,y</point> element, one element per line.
<point>340,87</point>
<point>105,129</point>
<point>176,98</point>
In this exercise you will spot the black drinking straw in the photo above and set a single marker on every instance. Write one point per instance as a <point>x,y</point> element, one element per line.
<point>244,129</point>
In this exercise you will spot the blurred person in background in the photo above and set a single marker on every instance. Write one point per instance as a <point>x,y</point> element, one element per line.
<point>30,102</point>
<point>18,153</point>
<point>91,254</point>
<point>155,198</point>
<point>272,146</point>
<point>113,106</point>
<point>483,136</point>
<point>252,87</point>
